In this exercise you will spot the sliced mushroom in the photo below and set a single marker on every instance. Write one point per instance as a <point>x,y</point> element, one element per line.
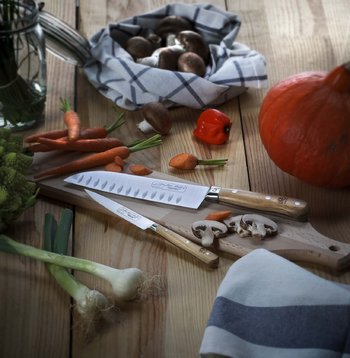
<point>233,224</point>
<point>191,62</point>
<point>251,225</point>
<point>156,118</point>
<point>258,225</point>
<point>193,42</point>
<point>208,230</point>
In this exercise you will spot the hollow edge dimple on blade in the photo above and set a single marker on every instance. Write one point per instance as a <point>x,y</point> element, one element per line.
<point>150,189</point>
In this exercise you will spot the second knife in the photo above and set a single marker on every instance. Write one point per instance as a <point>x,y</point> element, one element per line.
<point>144,223</point>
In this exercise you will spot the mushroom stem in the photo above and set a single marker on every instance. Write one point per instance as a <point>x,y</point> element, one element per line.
<point>145,127</point>
<point>156,118</point>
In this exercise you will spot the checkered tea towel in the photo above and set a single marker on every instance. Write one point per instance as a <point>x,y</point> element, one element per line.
<point>269,307</point>
<point>233,67</point>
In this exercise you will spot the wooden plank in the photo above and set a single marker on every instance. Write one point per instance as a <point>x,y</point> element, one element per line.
<point>294,36</point>
<point>155,327</point>
<point>34,310</point>
<point>282,33</point>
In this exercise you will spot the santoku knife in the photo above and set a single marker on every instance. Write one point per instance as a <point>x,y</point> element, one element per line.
<point>144,223</point>
<point>185,194</point>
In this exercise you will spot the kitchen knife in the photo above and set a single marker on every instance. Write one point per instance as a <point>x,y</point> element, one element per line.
<point>144,223</point>
<point>185,194</point>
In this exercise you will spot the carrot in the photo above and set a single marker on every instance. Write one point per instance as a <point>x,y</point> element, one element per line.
<point>71,120</point>
<point>90,161</point>
<point>55,134</point>
<point>85,133</point>
<point>139,169</point>
<point>219,215</point>
<point>98,159</point>
<point>38,147</point>
<point>82,145</point>
<point>119,161</point>
<point>190,161</point>
<point>99,132</point>
<point>113,167</point>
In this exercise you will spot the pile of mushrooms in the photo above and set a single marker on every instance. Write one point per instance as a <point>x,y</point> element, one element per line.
<point>247,225</point>
<point>174,46</point>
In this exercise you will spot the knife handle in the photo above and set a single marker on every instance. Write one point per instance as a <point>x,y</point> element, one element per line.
<point>192,248</point>
<point>294,208</point>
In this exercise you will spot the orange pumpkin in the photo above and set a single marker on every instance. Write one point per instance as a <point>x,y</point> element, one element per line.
<point>304,124</point>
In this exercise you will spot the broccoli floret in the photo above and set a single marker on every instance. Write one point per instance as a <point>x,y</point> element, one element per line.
<point>17,193</point>
<point>17,161</point>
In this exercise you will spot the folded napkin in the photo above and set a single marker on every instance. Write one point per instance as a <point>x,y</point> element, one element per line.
<point>233,69</point>
<point>269,307</point>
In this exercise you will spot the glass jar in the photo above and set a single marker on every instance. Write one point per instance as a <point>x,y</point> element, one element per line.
<point>22,65</point>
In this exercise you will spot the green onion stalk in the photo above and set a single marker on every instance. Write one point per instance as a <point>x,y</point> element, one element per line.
<point>92,306</point>
<point>21,101</point>
<point>126,283</point>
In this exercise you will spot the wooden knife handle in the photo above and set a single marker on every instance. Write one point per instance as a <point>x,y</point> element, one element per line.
<point>294,208</point>
<point>192,248</point>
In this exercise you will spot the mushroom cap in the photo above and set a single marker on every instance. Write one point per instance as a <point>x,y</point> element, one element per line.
<point>139,47</point>
<point>155,40</point>
<point>191,62</point>
<point>172,24</point>
<point>168,59</point>
<point>157,115</point>
<point>193,42</point>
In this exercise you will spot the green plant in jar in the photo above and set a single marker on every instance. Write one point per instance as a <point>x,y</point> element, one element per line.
<point>22,65</point>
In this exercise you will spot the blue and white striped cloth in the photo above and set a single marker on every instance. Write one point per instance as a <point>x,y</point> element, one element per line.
<point>269,307</point>
<point>233,68</point>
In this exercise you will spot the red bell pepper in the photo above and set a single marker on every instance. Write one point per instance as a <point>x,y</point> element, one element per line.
<point>213,127</point>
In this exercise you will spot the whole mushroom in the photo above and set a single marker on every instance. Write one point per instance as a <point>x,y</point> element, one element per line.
<point>156,118</point>
<point>165,58</point>
<point>191,62</point>
<point>139,47</point>
<point>170,26</point>
<point>193,42</point>
<point>168,59</point>
<point>208,230</point>
<point>155,40</point>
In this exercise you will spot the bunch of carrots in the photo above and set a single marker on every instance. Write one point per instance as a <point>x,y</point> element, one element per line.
<point>104,151</point>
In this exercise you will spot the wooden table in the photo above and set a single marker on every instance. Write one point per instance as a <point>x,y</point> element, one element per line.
<point>36,315</point>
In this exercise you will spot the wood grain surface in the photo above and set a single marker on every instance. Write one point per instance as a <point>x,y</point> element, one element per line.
<point>37,318</point>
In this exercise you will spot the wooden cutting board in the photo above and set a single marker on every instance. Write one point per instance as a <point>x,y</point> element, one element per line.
<point>297,241</point>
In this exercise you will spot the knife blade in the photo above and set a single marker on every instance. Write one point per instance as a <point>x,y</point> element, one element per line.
<point>144,223</point>
<point>186,194</point>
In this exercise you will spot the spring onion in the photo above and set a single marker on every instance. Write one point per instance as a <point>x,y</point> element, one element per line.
<point>92,306</point>
<point>127,284</point>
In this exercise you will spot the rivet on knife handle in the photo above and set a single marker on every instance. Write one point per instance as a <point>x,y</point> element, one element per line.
<point>294,208</point>
<point>199,252</point>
